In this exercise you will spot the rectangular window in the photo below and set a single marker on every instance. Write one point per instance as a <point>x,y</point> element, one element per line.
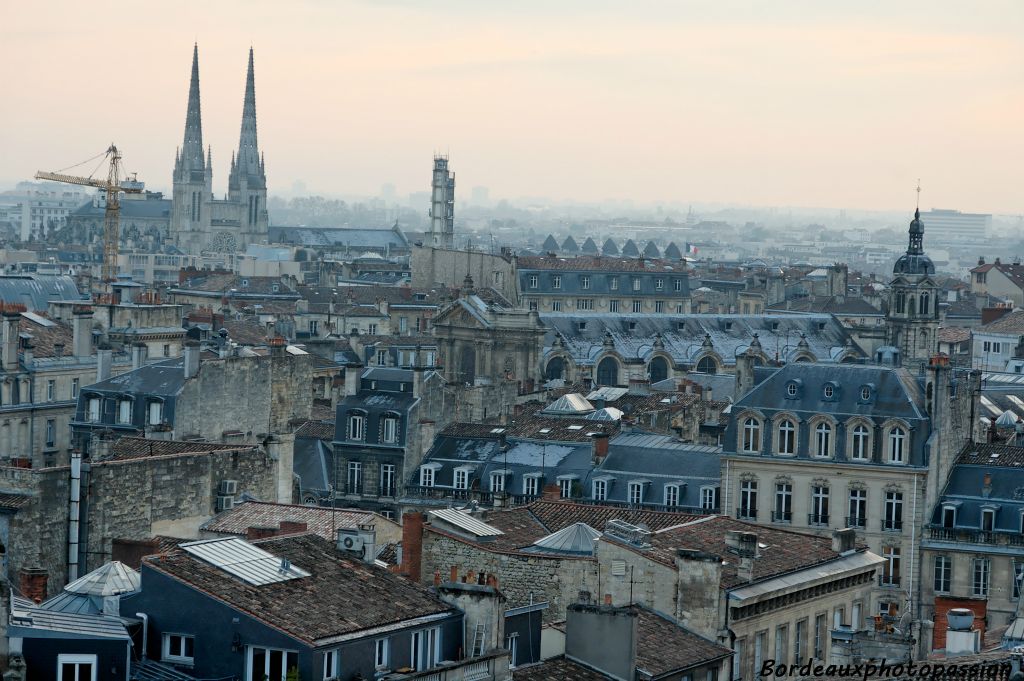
<point>556,281</point>
<point>891,566</point>
<point>498,482</point>
<point>708,498</point>
<point>638,306</point>
<point>783,512</point>
<point>585,304</point>
<point>156,413</point>
<point>613,283</point>
<point>94,409</point>
<point>819,505</point>
<point>565,487</point>
<point>330,665</point>
<point>76,667</point>
<point>781,642</point>
<point>74,388</point>
<point>943,574</point>
<point>167,350</point>
<point>636,493</point>
<point>356,427</point>
<point>858,508</point>
<point>760,643</point>
<point>636,283</point>
<point>314,327</point>
<point>819,637</point>
<point>949,518</point>
<point>51,432</point>
<point>387,479</point>
<point>748,499</point>
<point>600,490</point>
<point>403,324</point>
<point>799,638</point>
<point>659,284</point>
<point>556,305</point>
<point>671,495</point>
<point>855,617</point>
<point>427,476</point>
<point>124,411</point>
<point>355,477</point>
<point>988,519</point>
<point>585,282</point>
<point>531,485</point>
<point>659,306</point>
<point>390,430</point>
<point>426,646</point>
<point>982,568</point>
<point>178,648</point>
<point>382,358</point>
<point>534,281</point>
<point>533,306</point>
<point>51,388</point>
<point>270,664</point>
<point>371,329</point>
<point>677,284</point>
<point>893,520</point>
<point>1018,578</point>
<point>461,478</point>
<point>381,655</point>
<point>613,306</point>
<point>739,661</point>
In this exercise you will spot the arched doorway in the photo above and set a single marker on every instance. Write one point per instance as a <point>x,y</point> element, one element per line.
<point>608,372</point>
<point>659,369</point>
<point>555,369</point>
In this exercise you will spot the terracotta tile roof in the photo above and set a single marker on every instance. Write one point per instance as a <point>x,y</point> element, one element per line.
<point>1013,271</point>
<point>320,520</point>
<point>245,331</point>
<point>663,646</point>
<point>140,447</point>
<point>1010,323</point>
<point>330,602</point>
<point>599,263</point>
<point>954,334</point>
<point>558,668</point>
<point>530,426</point>
<point>322,430</point>
<point>782,551</point>
<point>45,338</point>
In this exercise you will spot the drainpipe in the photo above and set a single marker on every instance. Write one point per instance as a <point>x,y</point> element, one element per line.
<point>145,632</point>
<point>74,514</point>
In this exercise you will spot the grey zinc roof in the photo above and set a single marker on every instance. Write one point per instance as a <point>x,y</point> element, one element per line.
<point>353,238</point>
<point>577,539</point>
<point>111,579</point>
<point>683,335</point>
<point>163,378</point>
<point>36,290</point>
<point>573,403</point>
<point>31,621</point>
<point>140,208</point>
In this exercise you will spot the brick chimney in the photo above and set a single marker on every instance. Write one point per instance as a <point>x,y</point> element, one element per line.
<point>412,544</point>
<point>552,492</point>
<point>293,526</point>
<point>32,583</point>
<point>599,447</point>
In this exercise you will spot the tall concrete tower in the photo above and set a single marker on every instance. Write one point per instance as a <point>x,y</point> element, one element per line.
<point>442,205</point>
<point>193,175</point>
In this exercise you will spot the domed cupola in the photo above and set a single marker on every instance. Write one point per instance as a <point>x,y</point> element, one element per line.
<point>914,261</point>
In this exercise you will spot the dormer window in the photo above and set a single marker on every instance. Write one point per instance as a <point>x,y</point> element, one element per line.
<point>865,393</point>
<point>831,391</point>
<point>792,390</point>
<point>534,281</point>
<point>897,445</point>
<point>948,517</point>
<point>498,481</point>
<point>356,426</point>
<point>988,519</point>
<point>585,281</point>
<point>94,409</point>
<point>124,411</point>
<point>787,437</point>
<point>556,281</point>
<point>155,413</point>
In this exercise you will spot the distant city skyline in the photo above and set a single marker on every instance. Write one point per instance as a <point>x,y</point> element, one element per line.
<point>795,103</point>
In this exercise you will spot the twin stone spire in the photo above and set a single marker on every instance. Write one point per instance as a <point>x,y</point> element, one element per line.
<point>192,164</point>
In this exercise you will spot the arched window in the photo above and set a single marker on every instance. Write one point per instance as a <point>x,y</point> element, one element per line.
<point>925,303</point>
<point>707,365</point>
<point>356,425</point>
<point>861,442</point>
<point>751,435</point>
<point>555,369</point>
<point>901,301</point>
<point>389,428</point>
<point>608,372</point>
<point>897,445</point>
<point>155,413</point>
<point>913,305</point>
<point>787,437</point>
<point>659,369</point>
<point>823,439</point>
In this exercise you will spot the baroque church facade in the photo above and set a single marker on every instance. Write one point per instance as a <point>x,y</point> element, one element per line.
<point>200,221</point>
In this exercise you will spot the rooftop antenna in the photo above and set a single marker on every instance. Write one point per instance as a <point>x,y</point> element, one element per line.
<point>918,190</point>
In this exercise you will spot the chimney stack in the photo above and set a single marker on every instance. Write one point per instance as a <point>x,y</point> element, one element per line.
<point>599,447</point>
<point>11,329</point>
<point>81,326</point>
<point>844,541</point>
<point>191,359</point>
<point>104,359</point>
<point>32,583</point>
<point>138,355</point>
<point>412,544</point>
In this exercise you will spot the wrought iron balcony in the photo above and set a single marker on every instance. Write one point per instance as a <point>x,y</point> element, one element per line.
<point>782,516</point>
<point>857,521</point>
<point>817,518</point>
<point>746,513</point>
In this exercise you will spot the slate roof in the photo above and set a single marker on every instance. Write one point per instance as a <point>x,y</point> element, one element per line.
<point>781,551</point>
<point>355,238</point>
<point>846,305</point>
<point>131,208</point>
<point>558,429</point>
<point>125,448</point>
<point>966,487</point>
<point>319,520</point>
<point>585,263</point>
<point>329,603</point>
<point>683,336</point>
<point>165,379</point>
<point>323,430</point>
<point>34,291</point>
<point>29,620</point>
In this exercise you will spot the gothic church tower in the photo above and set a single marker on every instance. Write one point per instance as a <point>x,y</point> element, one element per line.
<point>247,185</point>
<point>193,175</point>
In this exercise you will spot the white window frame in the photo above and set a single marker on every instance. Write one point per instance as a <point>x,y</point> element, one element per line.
<point>531,485</point>
<point>165,648</point>
<point>357,427</point>
<point>636,493</point>
<point>556,281</point>
<point>331,660</point>
<point>613,306</point>
<point>497,482</point>
<point>565,487</point>
<point>638,306</point>
<point>534,281</point>
<point>354,472</point>
<point>155,412</point>
<point>858,500</point>
<point>425,648</point>
<point>388,472</point>
<point>94,409</point>
<point>613,283</point>
<point>786,435</point>
<point>659,306</point>
<point>51,432</point>
<point>585,282</point>
<point>751,435</point>
<point>892,520</point>
<point>389,429</point>
<point>266,672</point>
<point>51,390</point>
<point>981,576</point>
<point>897,441</point>
<point>74,388</point>
<point>426,476</point>
<point>671,495</point>
<point>556,305</point>
<point>748,497</point>
<point>381,653</point>
<point>659,284</point>
<point>708,498</point>
<point>600,490</point>
<point>382,358</point>
<point>75,659</point>
<point>636,283</point>
<point>461,479</point>
<point>124,411</point>
<point>860,443</point>
<point>823,439</point>
<point>942,575</point>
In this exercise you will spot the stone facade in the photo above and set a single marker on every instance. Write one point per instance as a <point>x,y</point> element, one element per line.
<point>449,268</point>
<point>134,499</point>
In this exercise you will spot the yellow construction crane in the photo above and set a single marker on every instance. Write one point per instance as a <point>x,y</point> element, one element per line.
<point>111,219</point>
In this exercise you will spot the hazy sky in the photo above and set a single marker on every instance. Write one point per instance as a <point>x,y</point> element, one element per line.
<point>841,104</point>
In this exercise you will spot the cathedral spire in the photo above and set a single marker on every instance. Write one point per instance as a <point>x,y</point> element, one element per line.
<point>248,158</point>
<point>192,148</point>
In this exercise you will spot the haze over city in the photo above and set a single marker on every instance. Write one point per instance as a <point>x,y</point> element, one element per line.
<point>842,105</point>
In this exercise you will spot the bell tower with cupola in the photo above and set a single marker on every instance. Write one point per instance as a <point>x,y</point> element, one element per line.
<point>912,313</point>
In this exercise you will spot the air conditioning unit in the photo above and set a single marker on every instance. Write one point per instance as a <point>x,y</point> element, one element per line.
<point>225,503</point>
<point>228,487</point>
<point>351,540</point>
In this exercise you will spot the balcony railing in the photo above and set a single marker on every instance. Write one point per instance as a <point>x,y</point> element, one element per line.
<point>817,518</point>
<point>486,667</point>
<point>782,516</point>
<point>973,536</point>
<point>746,513</point>
<point>888,581</point>
<point>857,521</point>
<point>892,524</point>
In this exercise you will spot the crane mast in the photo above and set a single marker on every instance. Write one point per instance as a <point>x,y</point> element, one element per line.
<point>112,214</point>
